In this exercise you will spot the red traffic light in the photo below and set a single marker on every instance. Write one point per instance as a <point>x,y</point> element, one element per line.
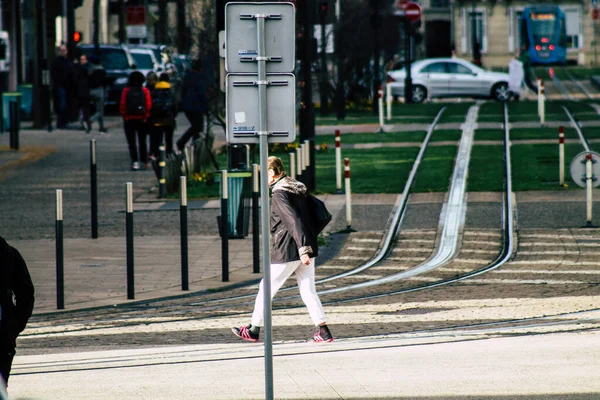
<point>77,36</point>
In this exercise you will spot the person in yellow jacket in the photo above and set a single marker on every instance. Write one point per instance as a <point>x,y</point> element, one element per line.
<point>162,116</point>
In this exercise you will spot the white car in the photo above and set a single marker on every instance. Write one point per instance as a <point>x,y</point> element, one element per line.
<point>144,60</point>
<point>449,77</point>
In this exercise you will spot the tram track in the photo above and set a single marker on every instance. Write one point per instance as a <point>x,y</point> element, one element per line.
<point>401,251</point>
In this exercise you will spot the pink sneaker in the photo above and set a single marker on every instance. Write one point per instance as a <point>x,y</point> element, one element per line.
<point>317,338</point>
<point>245,334</point>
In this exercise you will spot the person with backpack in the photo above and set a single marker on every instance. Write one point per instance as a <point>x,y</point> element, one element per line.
<point>16,304</point>
<point>294,250</point>
<point>135,106</point>
<point>97,82</point>
<point>193,103</point>
<point>162,116</point>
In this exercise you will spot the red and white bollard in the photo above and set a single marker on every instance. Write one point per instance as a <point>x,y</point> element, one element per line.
<point>380,103</point>
<point>542,103</point>
<point>539,84</point>
<point>348,194</point>
<point>561,155</point>
<point>338,161</point>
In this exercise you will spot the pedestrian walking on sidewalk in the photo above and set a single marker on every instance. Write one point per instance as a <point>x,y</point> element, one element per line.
<point>515,76</point>
<point>135,106</point>
<point>162,116</point>
<point>97,83</point>
<point>16,304</point>
<point>193,102</point>
<point>61,72</point>
<point>294,250</point>
<point>82,92</point>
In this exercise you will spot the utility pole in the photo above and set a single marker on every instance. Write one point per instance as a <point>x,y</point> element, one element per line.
<point>41,98</point>
<point>340,101</point>
<point>70,14</point>
<point>122,11</point>
<point>183,34</point>
<point>161,27</point>
<point>375,19</point>
<point>323,87</point>
<point>307,115</point>
<point>96,31</point>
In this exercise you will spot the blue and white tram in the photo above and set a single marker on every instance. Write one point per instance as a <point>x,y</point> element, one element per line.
<point>544,34</point>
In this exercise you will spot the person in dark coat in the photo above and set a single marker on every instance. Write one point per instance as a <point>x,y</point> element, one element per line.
<point>135,106</point>
<point>61,72</point>
<point>82,91</point>
<point>97,84</point>
<point>162,116</point>
<point>193,102</point>
<point>16,304</point>
<point>294,250</point>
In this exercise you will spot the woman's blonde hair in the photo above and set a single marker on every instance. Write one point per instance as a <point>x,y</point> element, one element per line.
<point>276,165</point>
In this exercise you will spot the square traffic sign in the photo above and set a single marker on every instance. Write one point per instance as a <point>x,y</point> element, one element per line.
<point>241,37</point>
<point>243,108</point>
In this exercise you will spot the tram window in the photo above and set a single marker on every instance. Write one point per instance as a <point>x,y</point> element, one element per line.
<point>2,49</point>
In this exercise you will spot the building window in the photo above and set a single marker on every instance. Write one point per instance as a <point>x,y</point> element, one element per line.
<point>478,20</point>
<point>574,24</point>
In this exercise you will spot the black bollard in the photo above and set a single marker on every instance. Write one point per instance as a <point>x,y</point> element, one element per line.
<point>14,124</point>
<point>162,181</point>
<point>184,234</point>
<point>94,188</point>
<point>255,222</point>
<point>60,255</point>
<point>224,226</point>
<point>129,235</point>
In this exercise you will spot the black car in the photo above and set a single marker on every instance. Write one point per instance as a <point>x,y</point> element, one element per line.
<point>117,62</point>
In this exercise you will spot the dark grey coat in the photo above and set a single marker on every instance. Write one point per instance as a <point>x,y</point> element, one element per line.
<point>292,228</point>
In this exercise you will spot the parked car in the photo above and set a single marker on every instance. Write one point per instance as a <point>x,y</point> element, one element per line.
<point>118,63</point>
<point>144,60</point>
<point>449,77</point>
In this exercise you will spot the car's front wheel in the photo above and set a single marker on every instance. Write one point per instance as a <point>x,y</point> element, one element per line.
<point>500,92</point>
<point>419,94</point>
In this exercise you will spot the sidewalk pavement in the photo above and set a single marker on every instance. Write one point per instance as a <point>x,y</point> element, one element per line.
<point>95,270</point>
<point>453,365</point>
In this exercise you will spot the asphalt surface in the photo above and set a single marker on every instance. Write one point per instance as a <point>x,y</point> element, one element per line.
<point>459,342</point>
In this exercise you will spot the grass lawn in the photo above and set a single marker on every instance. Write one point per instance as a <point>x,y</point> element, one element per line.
<point>489,134</point>
<point>443,135</point>
<point>486,169</point>
<point>373,171</point>
<point>388,137</point>
<point>535,167</point>
<point>592,133</point>
<point>436,169</point>
<point>541,133</point>
<point>455,112</point>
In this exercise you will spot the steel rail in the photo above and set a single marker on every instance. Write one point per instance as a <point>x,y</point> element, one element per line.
<point>575,125</point>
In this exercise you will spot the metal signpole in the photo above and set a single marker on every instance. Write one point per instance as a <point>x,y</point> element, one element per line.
<point>247,63</point>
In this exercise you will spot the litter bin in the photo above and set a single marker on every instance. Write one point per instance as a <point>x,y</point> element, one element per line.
<point>26,100</point>
<point>239,203</point>
<point>7,97</point>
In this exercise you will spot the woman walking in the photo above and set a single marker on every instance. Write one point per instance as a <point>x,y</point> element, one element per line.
<point>294,250</point>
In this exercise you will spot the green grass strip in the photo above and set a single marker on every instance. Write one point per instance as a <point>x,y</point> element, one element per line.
<point>382,170</point>
<point>486,168</point>
<point>435,170</point>
<point>387,137</point>
<point>535,167</point>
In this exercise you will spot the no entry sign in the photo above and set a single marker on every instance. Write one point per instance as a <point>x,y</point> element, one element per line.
<point>412,11</point>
